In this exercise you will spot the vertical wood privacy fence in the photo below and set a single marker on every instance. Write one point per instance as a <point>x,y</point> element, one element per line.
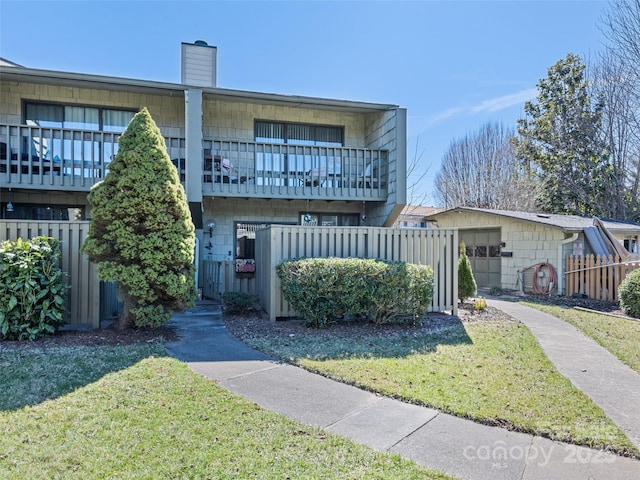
<point>83,297</point>
<point>597,277</point>
<point>435,247</point>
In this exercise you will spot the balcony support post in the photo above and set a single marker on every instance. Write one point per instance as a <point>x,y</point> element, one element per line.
<point>193,153</point>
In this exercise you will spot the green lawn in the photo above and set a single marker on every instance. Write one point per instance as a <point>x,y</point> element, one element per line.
<point>492,372</point>
<point>130,412</point>
<point>620,336</point>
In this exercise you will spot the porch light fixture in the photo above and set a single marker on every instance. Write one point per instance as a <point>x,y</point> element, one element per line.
<point>211,225</point>
<point>9,206</point>
<point>307,216</point>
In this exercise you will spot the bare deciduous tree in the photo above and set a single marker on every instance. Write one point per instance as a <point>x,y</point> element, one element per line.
<point>618,77</point>
<point>481,170</point>
<point>416,173</point>
<point>612,82</point>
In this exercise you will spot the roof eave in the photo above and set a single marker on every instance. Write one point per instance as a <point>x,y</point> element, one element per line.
<point>148,86</point>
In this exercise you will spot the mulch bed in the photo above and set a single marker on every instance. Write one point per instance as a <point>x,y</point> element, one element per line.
<point>258,325</point>
<point>105,336</point>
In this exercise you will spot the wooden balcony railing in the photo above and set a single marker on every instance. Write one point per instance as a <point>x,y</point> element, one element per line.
<point>66,159</point>
<point>269,170</point>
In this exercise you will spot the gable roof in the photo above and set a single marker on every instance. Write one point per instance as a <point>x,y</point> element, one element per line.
<point>567,223</point>
<point>419,211</point>
<point>8,63</point>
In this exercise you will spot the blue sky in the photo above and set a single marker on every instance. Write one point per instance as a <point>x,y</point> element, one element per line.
<point>454,65</point>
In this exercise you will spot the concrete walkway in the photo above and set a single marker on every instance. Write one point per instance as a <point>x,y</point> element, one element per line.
<point>591,368</point>
<point>438,441</point>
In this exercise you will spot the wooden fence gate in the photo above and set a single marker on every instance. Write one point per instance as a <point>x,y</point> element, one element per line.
<point>597,277</point>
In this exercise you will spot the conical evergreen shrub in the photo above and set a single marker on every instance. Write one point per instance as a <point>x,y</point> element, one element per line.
<point>141,233</point>
<point>466,282</point>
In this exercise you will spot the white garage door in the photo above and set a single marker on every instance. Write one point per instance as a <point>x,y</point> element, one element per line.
<point>483,250</point>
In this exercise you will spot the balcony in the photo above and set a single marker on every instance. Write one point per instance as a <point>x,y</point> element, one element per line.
<point>269,170</point>
<point>33,157</point>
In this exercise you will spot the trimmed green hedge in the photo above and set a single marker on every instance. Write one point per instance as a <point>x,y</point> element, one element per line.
<point>322,290</point>
<point>629,294</point>
<point>32,288</point>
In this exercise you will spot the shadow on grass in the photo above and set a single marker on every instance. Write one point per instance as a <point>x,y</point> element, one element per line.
<point>378,343</point>
<point>30,376</point>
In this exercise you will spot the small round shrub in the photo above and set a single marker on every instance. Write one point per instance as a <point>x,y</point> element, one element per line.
<point>629,294</point>
<point>495,290</point>
<point>239,303</point>
<point>480,303</point>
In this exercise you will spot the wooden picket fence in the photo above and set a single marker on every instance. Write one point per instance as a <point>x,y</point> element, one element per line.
<point>597,277</point>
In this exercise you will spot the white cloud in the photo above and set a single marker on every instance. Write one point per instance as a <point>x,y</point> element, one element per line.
<point>505,101</point>
<point>427,121</point>
<point>419,124</point>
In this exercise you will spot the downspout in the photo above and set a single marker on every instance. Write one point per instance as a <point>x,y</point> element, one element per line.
<point>571,239</point>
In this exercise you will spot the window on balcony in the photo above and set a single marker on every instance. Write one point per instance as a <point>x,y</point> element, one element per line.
<point>80,152</point>
<point>298,134</point>
<point>77,117</point>
<point>289,161</point>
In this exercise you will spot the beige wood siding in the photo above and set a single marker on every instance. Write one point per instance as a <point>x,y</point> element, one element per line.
<point>529,243</point>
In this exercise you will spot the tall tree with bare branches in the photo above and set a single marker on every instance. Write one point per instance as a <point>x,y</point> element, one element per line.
<point>481,170</point>
<point>617,77</point>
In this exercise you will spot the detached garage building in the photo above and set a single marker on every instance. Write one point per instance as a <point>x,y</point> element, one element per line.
<point>502,245</point>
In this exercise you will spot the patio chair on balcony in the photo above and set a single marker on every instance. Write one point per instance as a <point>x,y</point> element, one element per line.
<point>223,170</point>
<point>226,172</point>
<point>368,177</point>
<point>321,175</point>
<point>315,177</point>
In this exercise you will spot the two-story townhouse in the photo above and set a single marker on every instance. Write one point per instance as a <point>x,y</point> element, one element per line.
<point>246,159</point>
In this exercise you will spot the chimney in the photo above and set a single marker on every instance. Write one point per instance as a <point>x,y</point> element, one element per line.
<point>199,64</point>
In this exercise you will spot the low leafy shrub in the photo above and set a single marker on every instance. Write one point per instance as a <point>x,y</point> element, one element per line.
<point>322,290</point>
<point>479,303</point>
<point>495,290</point>
<point>32,288</point>
<point>629,294</point>
<point>239,303</point>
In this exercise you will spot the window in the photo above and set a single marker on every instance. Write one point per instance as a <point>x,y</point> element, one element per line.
<point>40,212</point>
<point>329,219</point>
<point>81,153</point>
<point>284,160</point>
<point>631,244</point>
<point>246,248</point>
<point>298,134</point>
<point>77,117</point>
